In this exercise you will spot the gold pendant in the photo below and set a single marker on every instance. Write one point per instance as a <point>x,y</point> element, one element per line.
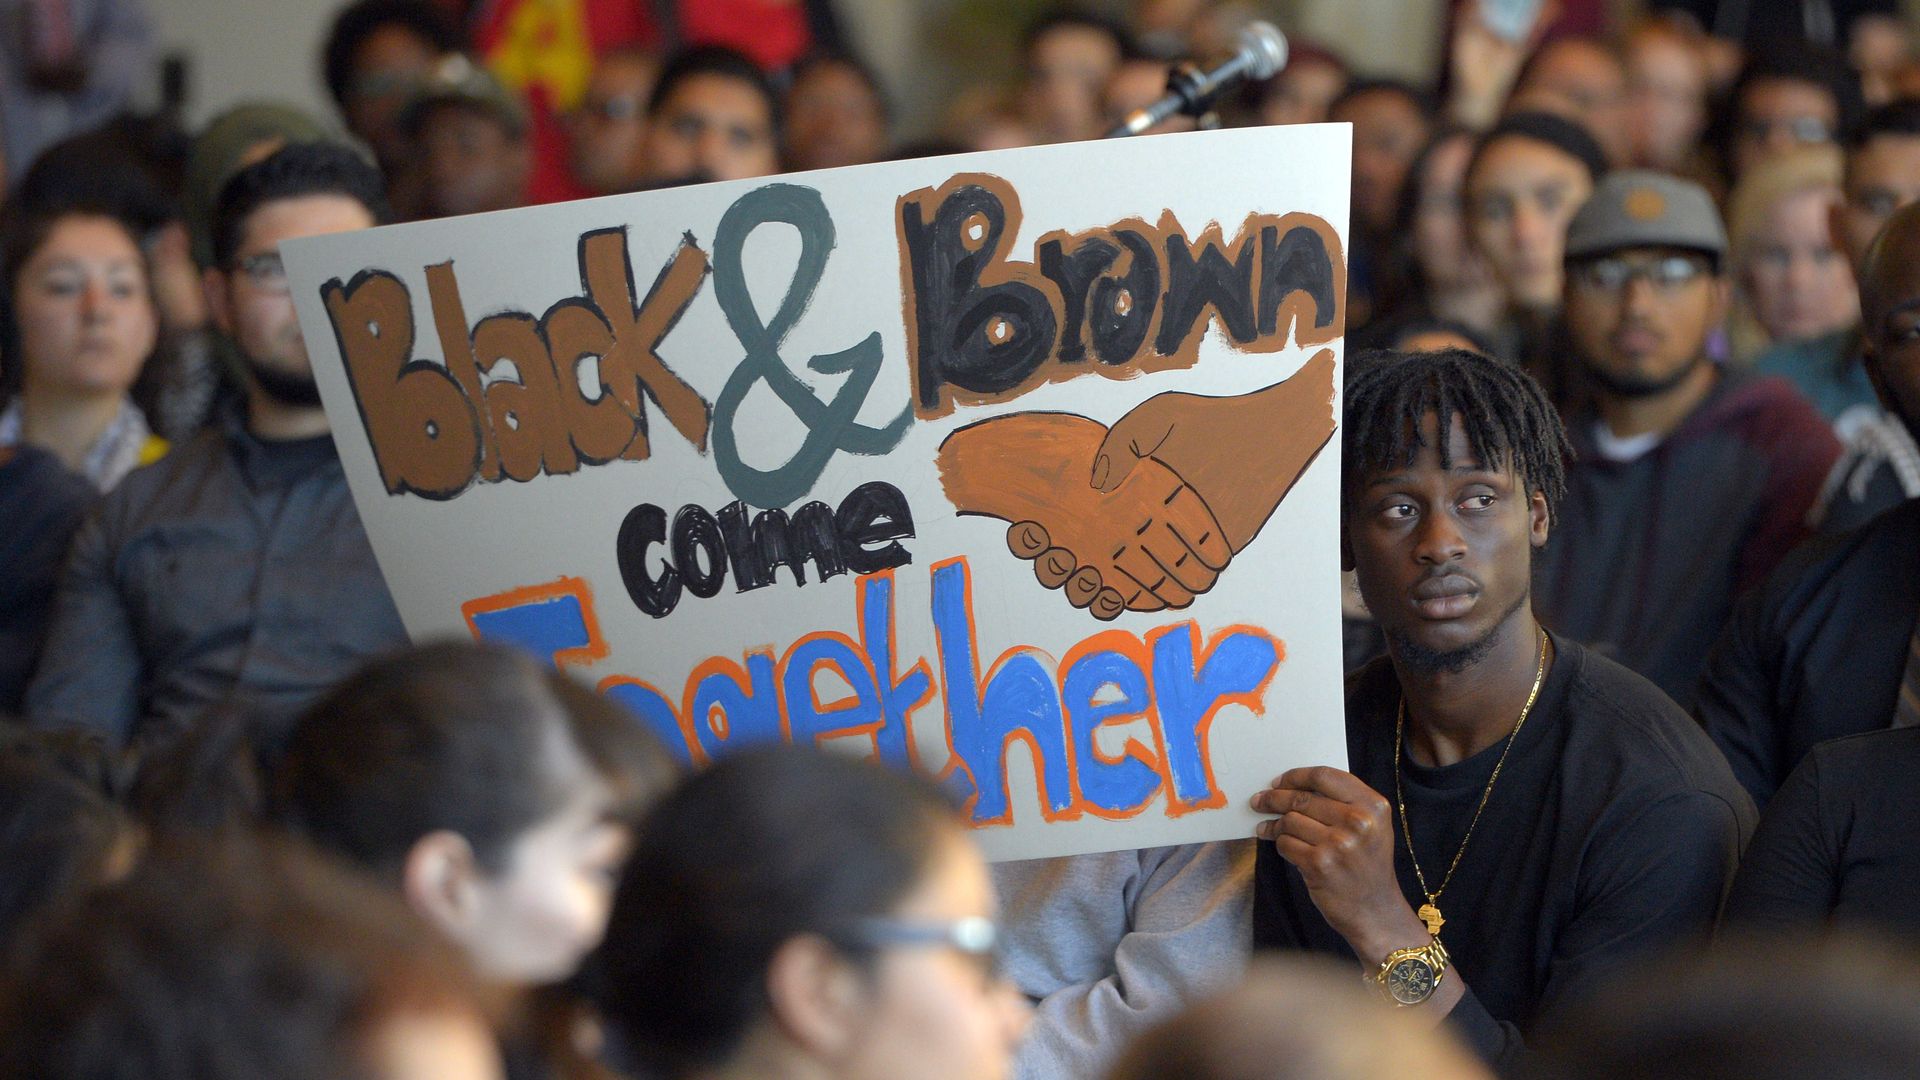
<point>1431,916</point>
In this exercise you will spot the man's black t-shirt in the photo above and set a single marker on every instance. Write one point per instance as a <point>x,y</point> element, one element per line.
<point>1613,829</point>
<point>1840,842</point>
<point>1817,653</point>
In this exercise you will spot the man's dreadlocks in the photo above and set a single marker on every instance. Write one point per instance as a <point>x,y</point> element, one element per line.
<point>1507,417</point>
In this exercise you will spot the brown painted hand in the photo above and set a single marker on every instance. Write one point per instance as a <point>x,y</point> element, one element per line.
<point>1145,543</point>
<point>1242,454</point>
<point>1180,485</point>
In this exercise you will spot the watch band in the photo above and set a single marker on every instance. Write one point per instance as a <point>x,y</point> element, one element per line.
<point>1415,985</point>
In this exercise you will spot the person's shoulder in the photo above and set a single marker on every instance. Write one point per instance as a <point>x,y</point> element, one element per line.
<point>1619,718</point>
<point>1821,565</point>
<point>1766,411</point>
<point>153,488</point>
<point>39,475</point>
<point>1894,751</point>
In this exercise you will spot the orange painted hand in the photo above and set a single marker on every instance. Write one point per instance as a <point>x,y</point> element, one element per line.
<point>1147,543</point>
<point>1178,486</point>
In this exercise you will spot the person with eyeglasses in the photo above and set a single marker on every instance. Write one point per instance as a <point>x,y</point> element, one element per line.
<point>606,134</point>
<point>794,913</point>
<point>1688,482</point>
<point>235,572</point>
<point>1786,97</point>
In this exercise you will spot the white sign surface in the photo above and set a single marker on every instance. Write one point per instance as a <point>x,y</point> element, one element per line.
<point>1018,468</point>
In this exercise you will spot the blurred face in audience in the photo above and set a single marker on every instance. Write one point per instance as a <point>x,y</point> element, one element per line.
<point>387,68</point>
<point>608,132</point>
<point>1388,131</point>
<point>1667,98</point>
<point>1067,68</point>
<point>834,118</point>
<point>250,301</point>
<point>531,920</point>
<point>1799,285</point>
<point>473,162</point>
<point>713,126</point>
<point>86,316</point>
<point>926,1011</point>
<point>1583,81</point>
<point>1447,260</point>
<point>1639,318</point>
<point>1883,175</point>
<point>1302,92</point>
<point>1520,197</point>
<point>1135,85</point>
<point>1776,115</point>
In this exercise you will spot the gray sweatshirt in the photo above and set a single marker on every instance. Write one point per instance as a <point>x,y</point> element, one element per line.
<point>1111,944</point>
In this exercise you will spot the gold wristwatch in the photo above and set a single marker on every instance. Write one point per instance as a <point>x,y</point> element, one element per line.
<point>1410,976</point>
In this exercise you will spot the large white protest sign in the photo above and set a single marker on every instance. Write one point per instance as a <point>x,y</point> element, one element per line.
<point>1018,468</point>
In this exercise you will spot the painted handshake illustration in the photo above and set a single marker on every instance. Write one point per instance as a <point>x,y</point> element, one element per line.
<point>1147,514</point>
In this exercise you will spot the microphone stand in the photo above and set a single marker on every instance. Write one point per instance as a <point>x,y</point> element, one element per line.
<point>1188,83</point>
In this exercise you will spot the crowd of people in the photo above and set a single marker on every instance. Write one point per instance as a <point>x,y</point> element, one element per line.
<point>1630,497</point>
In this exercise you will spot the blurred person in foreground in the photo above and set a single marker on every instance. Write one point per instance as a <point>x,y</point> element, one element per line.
<point>245,959</point>
<point>1294,1019</point>
<point>790,912</point>
<point>497,796</point>
<point>1753,1008</point>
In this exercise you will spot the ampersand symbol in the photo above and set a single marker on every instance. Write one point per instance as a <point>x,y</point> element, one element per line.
<point>830,424</point>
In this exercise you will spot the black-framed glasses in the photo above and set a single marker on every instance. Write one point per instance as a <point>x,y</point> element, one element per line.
<point>975,936</point>
<point>1614,272</point>
<point>265,271</point>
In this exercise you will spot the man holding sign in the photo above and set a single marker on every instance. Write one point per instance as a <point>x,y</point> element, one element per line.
<point>1521,814</point>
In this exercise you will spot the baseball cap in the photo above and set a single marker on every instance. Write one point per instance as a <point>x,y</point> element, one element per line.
<point>457,80</point>
<point>1642,208</point>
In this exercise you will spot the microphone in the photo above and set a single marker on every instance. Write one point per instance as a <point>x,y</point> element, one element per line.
<point>1262,52</point>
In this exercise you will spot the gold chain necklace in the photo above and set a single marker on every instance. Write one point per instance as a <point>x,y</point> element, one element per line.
<point>1430,911</point>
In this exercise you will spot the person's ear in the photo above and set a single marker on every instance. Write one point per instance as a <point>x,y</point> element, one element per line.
<point>440,880</point>
<point>1539,519</point>
<point>816,996</point>
<point>1722,291</point>
<point>1346,548</point>
<point>213,283</point>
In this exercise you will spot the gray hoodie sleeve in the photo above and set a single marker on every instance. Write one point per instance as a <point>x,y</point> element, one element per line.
<point>1109,944</point>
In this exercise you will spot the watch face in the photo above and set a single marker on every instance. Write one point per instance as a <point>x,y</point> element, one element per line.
<point>1410,981</point>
